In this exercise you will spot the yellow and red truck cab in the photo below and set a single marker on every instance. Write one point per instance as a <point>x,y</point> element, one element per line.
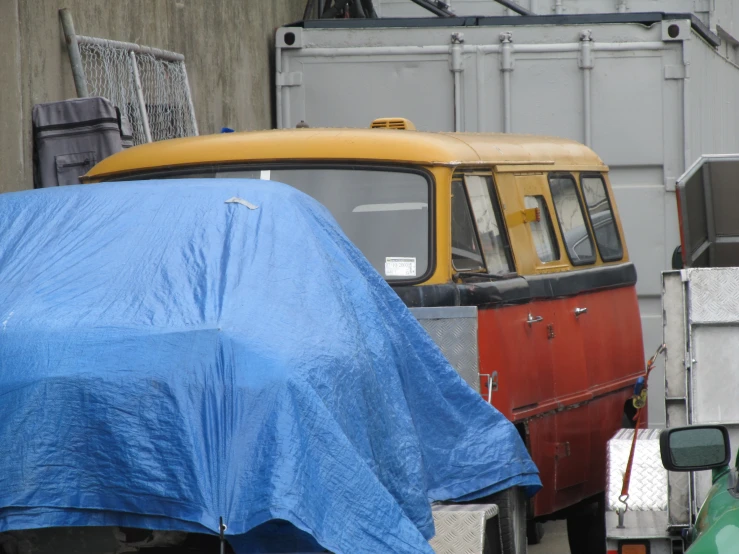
<point>523,227</point>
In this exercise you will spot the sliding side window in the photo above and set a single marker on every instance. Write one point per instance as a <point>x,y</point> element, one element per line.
<point>575,233</point>
<point>601,217</point>
<point>542,231</point>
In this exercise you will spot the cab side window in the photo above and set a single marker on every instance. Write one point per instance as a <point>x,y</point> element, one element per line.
<point>466,251</point>
<point>542,231</point>
<point>479,242</point>
<point>487,218</point>
<point>601,217</point>
<point>575,232</point>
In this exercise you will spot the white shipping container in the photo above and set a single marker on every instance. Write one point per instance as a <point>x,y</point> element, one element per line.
<point>650,93</point>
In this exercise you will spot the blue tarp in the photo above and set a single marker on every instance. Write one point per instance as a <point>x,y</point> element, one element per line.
<point>168,358</point>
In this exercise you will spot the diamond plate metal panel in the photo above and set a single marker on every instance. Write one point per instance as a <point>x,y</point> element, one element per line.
<point>460,528</point>
<point>713,326</point>
<point>714,387</point>
<point>454,330</point>
<point>648,486</point>
<point>714,295</point>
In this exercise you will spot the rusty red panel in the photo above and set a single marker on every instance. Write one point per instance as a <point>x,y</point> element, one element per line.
<point>541,432</point>
<point>519,352</point>
<point>567,376</point>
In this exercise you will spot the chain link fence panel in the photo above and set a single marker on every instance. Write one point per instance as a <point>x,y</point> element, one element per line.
<point>114,70</point>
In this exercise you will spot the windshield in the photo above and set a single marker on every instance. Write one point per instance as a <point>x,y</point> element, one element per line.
<point>384,212</point>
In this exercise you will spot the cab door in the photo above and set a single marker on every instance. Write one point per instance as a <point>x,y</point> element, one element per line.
<point>572,375</point>
<point>566,441</point>
<point>613,348</point>
<point>540,240</point>
<point>534,244</point>
<point>512,350</point>
<point>571,372</point>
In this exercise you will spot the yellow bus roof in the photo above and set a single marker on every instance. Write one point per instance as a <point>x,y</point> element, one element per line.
<point>383,145</point>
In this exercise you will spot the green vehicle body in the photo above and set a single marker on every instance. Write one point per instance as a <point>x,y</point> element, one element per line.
<point>716,529</point>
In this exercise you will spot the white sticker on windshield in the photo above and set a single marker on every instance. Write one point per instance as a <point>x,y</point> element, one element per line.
<point>400,267</point>
<point>264,174</point>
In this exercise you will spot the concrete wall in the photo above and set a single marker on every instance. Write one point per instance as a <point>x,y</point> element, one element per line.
<point>227,46</point>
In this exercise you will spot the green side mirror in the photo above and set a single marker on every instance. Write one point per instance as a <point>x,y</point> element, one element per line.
<point>695,448</point>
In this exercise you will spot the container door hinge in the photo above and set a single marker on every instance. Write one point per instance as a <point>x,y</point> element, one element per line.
<point>291,79</point>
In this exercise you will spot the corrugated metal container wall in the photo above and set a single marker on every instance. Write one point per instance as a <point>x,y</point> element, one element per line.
<point>713,98</point>
<point>648,103</point>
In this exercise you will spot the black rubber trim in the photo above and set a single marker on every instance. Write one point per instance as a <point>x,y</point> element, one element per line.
<point>74,124</point>
<point>519,290</point>
<point>570,283</point>
<point>506,291</point>
<point>645,18</point>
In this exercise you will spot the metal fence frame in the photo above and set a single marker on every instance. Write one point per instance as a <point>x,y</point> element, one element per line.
<point>78,72</point>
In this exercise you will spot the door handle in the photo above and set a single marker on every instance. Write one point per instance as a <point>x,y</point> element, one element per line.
<point>580,311</point>
<point>492,384</point>
<point>534,319</point>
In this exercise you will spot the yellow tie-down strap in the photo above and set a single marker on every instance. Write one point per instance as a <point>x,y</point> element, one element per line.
<point>523,216</point>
